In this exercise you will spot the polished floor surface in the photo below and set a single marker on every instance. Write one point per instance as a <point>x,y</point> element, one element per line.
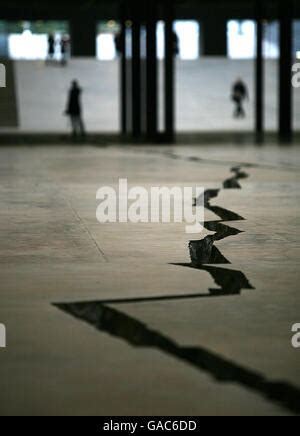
<point>136,319</point>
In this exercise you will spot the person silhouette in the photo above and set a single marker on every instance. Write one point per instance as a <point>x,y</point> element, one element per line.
<point>239,95</point>
<point>64,49</point>
<point>74,111</point>
<point>118,43</point>
<point>51,46</point>
<point>176,44</point>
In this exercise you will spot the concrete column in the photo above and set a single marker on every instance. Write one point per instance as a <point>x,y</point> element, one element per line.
<point>213,36</point>
<point>83,35</point>
<point>169,72</point>
<point>136,71</point>
<point>259,106</point>
<point>3,41</point>
<point>140,103</point>
<point>3,45</point>
<point>152,71</point>
<point>285,87</point>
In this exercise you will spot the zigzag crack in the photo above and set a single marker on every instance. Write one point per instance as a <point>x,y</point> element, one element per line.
<point>204,252</point>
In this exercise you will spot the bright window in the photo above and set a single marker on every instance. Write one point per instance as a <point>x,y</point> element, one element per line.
<point>241,37</point>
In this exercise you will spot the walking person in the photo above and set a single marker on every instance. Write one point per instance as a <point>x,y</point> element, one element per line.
<point>64,49</point>
<point>239,95</point>
<point>51,46</point>
<point>74,111</point>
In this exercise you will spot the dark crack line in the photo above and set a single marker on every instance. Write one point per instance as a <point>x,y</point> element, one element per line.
<point>138,334</point>
<point>154,298</point>
<point>231,282</point>
<point>221,230</point>
<point>204,252</point>
<point>172,155</point>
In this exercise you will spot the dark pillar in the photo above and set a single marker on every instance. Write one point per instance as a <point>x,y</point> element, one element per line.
<point>3,40</point>
<point>169,72</point>
<point>136,70</point>
<point>213,36</point>
<point>3,45</point>
<point>123,75</point>
<point>152,71</point>
<point>285,86</point>
<point>259,69</point>
<point>139,72</point>
<point>83,35</point>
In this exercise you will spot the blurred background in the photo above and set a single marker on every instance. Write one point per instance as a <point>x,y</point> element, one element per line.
<point>214,45</point>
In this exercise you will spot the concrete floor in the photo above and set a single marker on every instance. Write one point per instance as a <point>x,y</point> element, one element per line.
<point>159,351</point>
<point>203,89</point>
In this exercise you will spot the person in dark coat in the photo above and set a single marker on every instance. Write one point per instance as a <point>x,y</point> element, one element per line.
<point>239,95</point>
<point>64,49</point>
<point>51,46</point>
<point>74,111</point>
<point>118,43</point>
<point>176,44</point>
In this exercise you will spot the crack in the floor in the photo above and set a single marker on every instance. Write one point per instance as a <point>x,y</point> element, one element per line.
<point>203,255</point>
<point>233,182</point>
<point>204,252</point>
<point>172,155</point>
<point>138,334</point>
<point>223,214</point>
<point>231,282</point>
